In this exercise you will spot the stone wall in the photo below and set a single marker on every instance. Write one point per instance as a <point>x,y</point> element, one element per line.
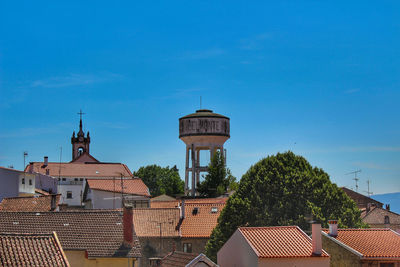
<point>340,256</point>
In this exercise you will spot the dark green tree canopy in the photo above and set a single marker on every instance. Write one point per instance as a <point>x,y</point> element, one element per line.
<point>283,190</point>
<point>218,179</point>
<point>161,180</point>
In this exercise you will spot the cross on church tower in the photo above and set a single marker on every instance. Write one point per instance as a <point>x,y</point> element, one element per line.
<point>81,113</point>
<point>80,143</point>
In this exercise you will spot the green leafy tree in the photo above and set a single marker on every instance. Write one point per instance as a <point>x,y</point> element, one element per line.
<point>218,179</point>
<point>283,190</point>
<point>161,180</point>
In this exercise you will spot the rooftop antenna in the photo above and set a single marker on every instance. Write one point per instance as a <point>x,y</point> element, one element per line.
<point>368,192</point>
<point>355,177</point>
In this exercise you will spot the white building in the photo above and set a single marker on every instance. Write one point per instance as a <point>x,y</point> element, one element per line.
<point>112,193</point>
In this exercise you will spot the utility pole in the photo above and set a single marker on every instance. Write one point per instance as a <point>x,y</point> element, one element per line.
<point>355,178</point>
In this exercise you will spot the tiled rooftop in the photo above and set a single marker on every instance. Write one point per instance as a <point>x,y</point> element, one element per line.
<point>203,222</point>
<point>176,203</point>
<point>31,250</point>
<point>32,203</point>
<point>377,215</point>
<point>133,186</point>
<point>177,259</point>
<point>371,243</point>
<point>81,169</point>
<point>100,233</point>
<point>279,241</point>
<point>147,222</point>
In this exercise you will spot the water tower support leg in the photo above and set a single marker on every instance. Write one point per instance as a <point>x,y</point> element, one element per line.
<point>187,170</point>
<point>193,171</point>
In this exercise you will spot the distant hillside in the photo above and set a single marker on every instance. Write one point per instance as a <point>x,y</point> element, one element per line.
<point>392,198</point>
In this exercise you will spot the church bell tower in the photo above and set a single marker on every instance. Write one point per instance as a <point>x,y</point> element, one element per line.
<point>80,143</point>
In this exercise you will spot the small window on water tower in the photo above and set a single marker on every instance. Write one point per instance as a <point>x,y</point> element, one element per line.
<point>69,194</point>
<point>23,181</point>
<point>30,181</point>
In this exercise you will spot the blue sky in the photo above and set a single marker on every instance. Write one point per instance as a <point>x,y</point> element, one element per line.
<point>319,78</point>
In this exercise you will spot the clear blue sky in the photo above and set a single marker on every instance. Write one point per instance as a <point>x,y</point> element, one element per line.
<point>316,77</point>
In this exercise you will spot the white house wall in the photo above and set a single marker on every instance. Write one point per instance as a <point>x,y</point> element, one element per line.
<point>109,200</point>
<point>77,193</point>
<point>236,252</point>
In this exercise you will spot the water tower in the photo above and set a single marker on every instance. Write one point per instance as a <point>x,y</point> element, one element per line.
<point>203,130</point>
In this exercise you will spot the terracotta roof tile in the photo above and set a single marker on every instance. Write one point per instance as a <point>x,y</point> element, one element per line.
<point>81,169</point>
<point>279,241</point>
<point>202,223</point>
<point>100,233</point>
<point>31,250</point>
<point>371,243</point>
<point>176,203</point>
<point>177,259</point>
<point>147,222</point>
<point>133,186</point>
<point>41,192</point>
<point>32,203</point>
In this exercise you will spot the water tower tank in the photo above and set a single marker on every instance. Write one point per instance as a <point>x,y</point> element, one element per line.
<point>203,130</point>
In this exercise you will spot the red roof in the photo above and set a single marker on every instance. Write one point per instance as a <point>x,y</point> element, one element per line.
<point>371,243</point>
<point>177,259</point>
<point>147,222</point>
<point>81,169</point>
<point>99,233</point>
<point>279,241</point>
<point>176,203</point>
<point>134,186</point>
<point>31,250</point>
<point>31,203</point>
<point>202,223</point>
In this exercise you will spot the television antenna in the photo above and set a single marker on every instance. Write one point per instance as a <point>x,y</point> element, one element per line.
<point>355,178</point>
<point>368,192</point>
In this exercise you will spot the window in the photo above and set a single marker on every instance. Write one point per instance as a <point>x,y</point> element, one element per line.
<point>30,181</point>
<point>76,179</point>
<point>387,220</point>
<point>80,151</point>
<point>81,179</point>
<point>23,180</point>
<point>386,264</point>
<point>69,194</point>
<point>187,247</point>
<point>64,179</point>
<point>214,210</point>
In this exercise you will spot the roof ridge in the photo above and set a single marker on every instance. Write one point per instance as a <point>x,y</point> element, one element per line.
<point>26,234</point>
<point>49,195</point>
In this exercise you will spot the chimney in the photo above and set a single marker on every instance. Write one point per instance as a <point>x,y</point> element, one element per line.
<point>333,228</point>
<point>53,202</point>
<point>387,207</point>
<point>127,222</point>
<point>183,209</point>
<point>45,161</point>
<point>316,239</point>
<point>30,170</point>
<point>368,207</point>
